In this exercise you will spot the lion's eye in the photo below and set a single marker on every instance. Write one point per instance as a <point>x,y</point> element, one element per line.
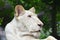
<point>29,15</point>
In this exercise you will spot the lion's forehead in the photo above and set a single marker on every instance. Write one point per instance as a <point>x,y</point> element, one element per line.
<point>29,13</point>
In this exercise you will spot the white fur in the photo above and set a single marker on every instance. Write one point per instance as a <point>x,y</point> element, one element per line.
<point>23,27</point>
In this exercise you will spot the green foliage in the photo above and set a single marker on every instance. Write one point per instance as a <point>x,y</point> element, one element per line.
<point>38,4</point>
<point>58,23</point>
<point>1,3</point>
<point>1,20</point>
<point>44,34</point>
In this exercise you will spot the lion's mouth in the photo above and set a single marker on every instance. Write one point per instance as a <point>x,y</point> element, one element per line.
<point>32,34</point>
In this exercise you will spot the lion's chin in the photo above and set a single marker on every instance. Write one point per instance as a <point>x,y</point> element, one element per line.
<point>36,35</point>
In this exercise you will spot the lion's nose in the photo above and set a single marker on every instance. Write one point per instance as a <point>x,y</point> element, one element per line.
<point>40,25</point>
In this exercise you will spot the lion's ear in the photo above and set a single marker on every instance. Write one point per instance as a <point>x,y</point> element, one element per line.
<point>32,9</point>
<point>19,9</point>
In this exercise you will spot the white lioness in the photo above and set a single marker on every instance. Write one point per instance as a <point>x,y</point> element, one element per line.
<point>25,25</point>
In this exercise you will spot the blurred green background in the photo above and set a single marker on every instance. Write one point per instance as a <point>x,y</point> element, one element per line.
<point>47,10</point>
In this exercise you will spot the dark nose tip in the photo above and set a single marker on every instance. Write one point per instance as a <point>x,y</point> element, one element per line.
<point>40,25</point>
<point>39,30</point>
